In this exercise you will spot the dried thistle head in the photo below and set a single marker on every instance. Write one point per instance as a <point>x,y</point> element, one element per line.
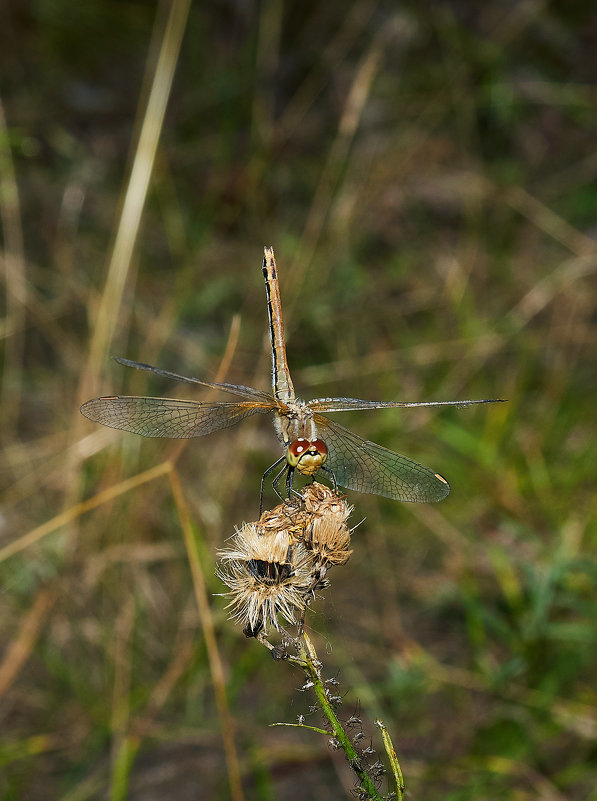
<point>328,539</point>
<point>327,534</point>
<point>267,574</point>
<point>321,500</point>
<point>274,566</point>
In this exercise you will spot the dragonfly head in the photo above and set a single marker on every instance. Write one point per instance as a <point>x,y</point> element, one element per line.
<point>307,456</point>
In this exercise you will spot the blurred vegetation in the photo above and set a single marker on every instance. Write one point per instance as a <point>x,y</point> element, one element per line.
<point>427,176</point>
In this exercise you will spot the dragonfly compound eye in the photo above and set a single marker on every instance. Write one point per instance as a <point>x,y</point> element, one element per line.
<point>307,456</point>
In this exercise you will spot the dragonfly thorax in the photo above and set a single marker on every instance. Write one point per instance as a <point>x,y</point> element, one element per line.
<point>295,421</point>
<point>307,456</point>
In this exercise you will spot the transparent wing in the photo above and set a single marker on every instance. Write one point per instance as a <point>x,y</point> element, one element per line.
<point>168,417</point>
<point>235,389</point>
<point>352,404</point>
<point>367,467</point>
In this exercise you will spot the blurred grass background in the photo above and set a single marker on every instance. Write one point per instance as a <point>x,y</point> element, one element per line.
<point>427,176</point>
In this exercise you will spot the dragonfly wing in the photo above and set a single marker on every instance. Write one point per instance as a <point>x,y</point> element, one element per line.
<point>352,404</point>
<point>367,467</point>
<point>235,389</point>
<point>168,417</point>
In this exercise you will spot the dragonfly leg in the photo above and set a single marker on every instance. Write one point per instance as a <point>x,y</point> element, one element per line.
<point>333,477</point>
<point>289,470</point>
<point>285,469</point>
<point>289,477</point>
<point>290,491</point>
<point>263,477</point>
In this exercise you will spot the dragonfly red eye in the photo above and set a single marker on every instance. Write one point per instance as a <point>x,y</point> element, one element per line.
<point>297,449</point>
<point>319,446</point>
<point>307,455</point>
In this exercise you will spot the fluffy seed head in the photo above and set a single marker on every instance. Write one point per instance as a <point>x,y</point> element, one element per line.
<point>267,574</point>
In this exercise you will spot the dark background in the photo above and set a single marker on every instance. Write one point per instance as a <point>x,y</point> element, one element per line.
<point>426,173</point>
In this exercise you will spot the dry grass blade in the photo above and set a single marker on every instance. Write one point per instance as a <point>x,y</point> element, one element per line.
<point>336,159</point>
<point>163,688</point>
<point>136,191</point>
<point>123,629</point>
<point>18,652</point>
<point>74,512</point>
<point>13,256</point>
<point>207,625</point>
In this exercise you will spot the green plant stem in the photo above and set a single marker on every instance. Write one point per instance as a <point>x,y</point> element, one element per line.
<point>310,663</point>
<point>395,765</point>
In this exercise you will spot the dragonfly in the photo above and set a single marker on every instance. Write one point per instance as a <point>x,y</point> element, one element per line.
<point>311,441</point>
